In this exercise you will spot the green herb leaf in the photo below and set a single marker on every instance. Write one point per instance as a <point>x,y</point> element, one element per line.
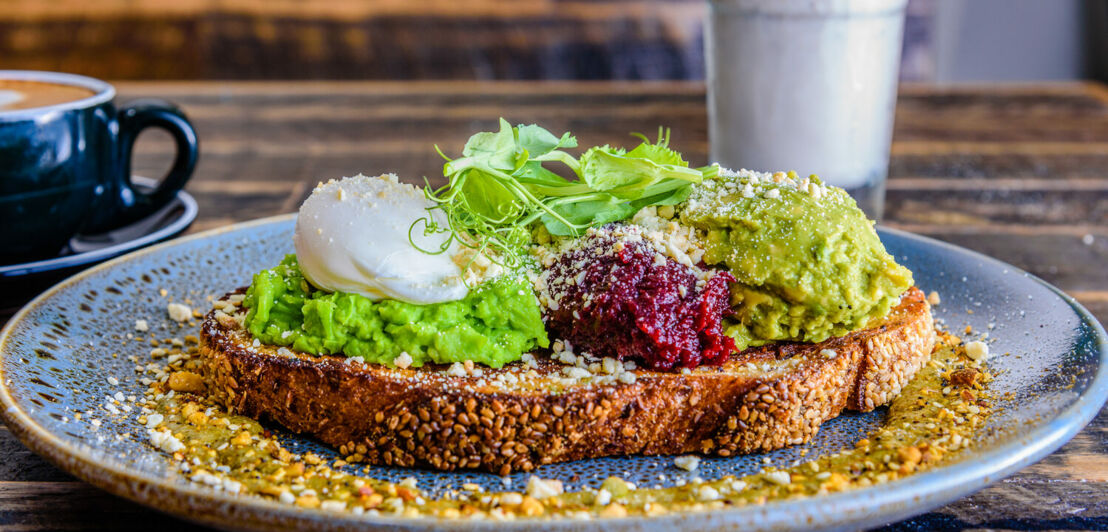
<point>589,213</point>
<point>539,142</point>
<point>497,150</point>
<point>628,177</point>
<point>501,186</point>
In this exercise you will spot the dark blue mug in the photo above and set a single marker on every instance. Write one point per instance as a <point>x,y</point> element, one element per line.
<point>65,167</point>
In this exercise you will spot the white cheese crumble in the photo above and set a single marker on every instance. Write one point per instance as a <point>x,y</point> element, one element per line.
<point>688,462</point>
<point>511,499</point>
<point>543,488</point>
<point>332,505</point>
<point>178,312</point>
<point>627,378</point>
<point>603,497</point>
<point>403,361</point>
<point>708,493</point>
<point>456,370</point>
<point>165,441</point>
<point>142,326</point>
<point>977,350</point>
<point>780,478</point>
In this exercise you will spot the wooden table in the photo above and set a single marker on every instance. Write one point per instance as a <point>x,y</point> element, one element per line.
<point>1019,173</point>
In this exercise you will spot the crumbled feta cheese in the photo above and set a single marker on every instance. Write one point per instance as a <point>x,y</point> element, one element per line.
<point>544,488</point>
<point>456,370</point>
<point>688,462</point>
<point>142,326</point>
<point>511,499</point>
<point>611,365</point>
<point>333,505</point>
<point>529,360</point>
<point>708,493</point>
<point>576,373</point>
<point>977,350</point>
<point>403,361</point>
<point>603,497</point>
<point>178,312</point>
<point>286,497</point>
<point>165,441</point>
<point>780,478</point>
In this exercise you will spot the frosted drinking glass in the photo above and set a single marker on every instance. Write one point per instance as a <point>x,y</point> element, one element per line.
<point>806,85</point>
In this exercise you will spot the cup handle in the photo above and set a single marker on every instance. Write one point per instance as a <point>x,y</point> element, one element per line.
<point>135,117</point>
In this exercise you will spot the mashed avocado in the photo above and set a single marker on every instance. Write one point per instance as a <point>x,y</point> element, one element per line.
<point>494,325</point>
<point>808,263</point>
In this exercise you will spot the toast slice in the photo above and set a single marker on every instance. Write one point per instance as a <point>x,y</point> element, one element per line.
<point>529,414</point>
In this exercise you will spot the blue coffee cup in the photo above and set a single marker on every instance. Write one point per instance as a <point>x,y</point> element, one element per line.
<point>65,167</point>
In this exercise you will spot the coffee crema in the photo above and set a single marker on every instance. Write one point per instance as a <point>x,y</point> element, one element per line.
<point>28,94</point>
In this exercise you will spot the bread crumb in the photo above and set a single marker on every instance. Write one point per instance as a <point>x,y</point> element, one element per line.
<point>933,298</point>
<point>142,326</point>
<point>186,381</point>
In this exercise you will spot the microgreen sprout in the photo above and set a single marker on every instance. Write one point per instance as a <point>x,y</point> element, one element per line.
<point>500,187</point>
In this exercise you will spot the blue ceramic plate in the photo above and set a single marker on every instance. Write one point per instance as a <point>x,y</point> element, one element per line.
<point>56,356</point>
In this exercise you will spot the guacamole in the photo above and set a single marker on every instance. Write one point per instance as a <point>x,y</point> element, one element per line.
<point>493,325</point>
<point>808,263</point>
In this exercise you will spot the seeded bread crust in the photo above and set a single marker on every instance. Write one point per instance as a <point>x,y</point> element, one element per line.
<point>761,399</point>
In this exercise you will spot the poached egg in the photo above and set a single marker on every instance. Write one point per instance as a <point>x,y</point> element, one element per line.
<point>352,236</point>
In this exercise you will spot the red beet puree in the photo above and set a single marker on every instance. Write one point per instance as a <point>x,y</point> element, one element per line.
<point>618,297</point>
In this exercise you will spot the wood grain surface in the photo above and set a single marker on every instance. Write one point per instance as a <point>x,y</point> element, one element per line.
<point>1018,173</point>
<point>356,39</point>
<point>378,39</point>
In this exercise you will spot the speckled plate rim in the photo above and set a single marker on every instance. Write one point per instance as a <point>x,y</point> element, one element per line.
<point>854,509</point>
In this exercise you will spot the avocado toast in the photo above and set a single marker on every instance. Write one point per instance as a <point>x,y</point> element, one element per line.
<point>516,318</point>
<point>761,399</point>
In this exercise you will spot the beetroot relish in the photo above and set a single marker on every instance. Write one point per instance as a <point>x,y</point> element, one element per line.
<point>617,298</point>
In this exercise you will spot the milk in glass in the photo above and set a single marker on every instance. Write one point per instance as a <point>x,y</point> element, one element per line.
<point>806,85</point>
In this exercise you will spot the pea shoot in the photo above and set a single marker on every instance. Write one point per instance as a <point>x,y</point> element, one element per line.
<point>501,186</point>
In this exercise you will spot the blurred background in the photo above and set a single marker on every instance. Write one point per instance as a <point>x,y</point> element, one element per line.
<point>945,40</point>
